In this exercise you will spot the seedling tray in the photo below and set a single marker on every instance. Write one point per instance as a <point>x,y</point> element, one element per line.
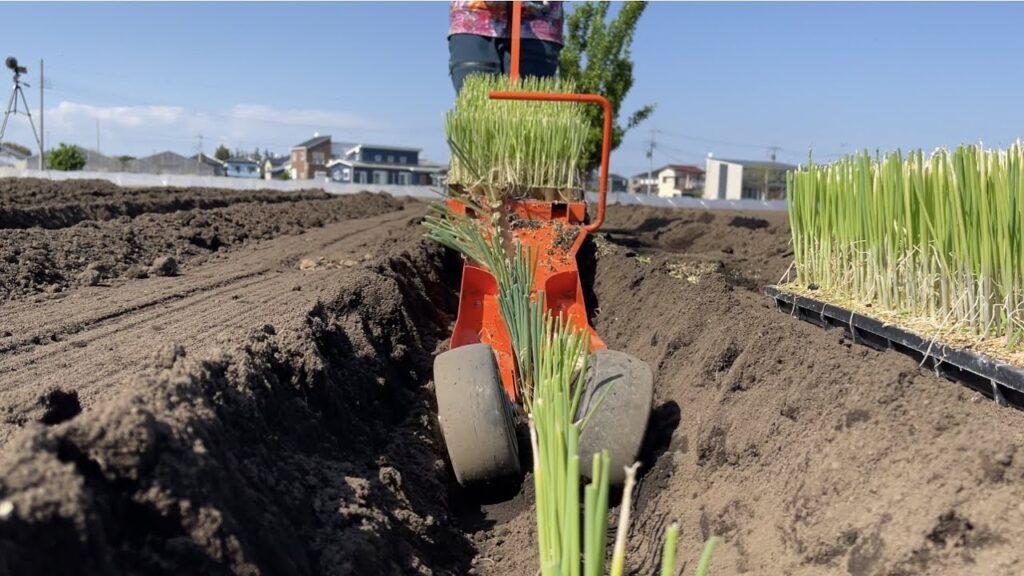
<point>999,381</point>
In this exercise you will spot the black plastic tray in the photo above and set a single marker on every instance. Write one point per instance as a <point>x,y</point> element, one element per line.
<point>1002,382</point>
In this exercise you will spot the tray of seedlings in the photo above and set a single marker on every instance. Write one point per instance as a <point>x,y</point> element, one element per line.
<point>923,255</point>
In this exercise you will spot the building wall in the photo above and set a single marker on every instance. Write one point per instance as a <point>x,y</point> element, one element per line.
<point>387,176</point>
<point>639,185</point>
<point>386,156</point>
<point>667,183</point>
<point>723,180</point>
<point>306,163</point>
<point>244,170</point>
<point>672,183</point>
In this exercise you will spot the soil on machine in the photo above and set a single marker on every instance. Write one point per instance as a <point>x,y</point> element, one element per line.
<point>264,405</point>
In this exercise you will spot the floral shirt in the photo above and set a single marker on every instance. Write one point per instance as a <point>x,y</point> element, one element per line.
<point>540,20</point>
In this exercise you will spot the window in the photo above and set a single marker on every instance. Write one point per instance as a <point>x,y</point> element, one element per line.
<point>391,158</point>
<point>404,178</point>
<point>376,157</point>
<point>360,177</point>
<point>380,177</point>
<point>346,174</point>
<point>401,159</point>
<point>318,157</point>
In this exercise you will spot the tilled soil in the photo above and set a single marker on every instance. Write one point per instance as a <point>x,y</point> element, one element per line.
<point>268,409</point>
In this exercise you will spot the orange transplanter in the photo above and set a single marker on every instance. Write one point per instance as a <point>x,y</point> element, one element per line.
<point>476,380</point>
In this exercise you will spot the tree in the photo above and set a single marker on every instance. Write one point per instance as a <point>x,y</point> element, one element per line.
<point>66,158</point>
<point>222,153</point>
<point>596,57</point>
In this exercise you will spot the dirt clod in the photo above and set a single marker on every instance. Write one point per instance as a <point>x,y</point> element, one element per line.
<point>59,406</point>
<point>164,266</point>
<point>137,272</point>
<point>89,277</point>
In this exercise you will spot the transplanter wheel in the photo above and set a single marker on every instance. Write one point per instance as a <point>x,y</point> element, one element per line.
<point>619,421</point>
<point>475,415</point>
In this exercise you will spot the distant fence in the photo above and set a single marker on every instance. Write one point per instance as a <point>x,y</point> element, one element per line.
<point>132,180</point>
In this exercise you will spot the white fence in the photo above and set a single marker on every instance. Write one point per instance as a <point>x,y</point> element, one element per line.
<point>175,180</point>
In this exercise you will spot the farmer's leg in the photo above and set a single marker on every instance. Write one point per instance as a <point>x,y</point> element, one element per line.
<point>538,58</point>
<point>469,54</point>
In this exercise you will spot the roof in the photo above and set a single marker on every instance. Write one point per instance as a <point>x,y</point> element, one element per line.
<point>758,163</point>
<point>12,152</point>
<point>314,141</point>
<point>386,147</point>
<point>241,161</point>
<point>277,161</point>
<point>161,155</point>
<point>685,168</point>
<point>206,159</point>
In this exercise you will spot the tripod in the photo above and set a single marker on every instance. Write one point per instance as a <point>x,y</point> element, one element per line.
<point>12,108</point>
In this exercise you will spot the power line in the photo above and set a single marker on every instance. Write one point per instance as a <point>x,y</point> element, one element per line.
<point>722,142</point>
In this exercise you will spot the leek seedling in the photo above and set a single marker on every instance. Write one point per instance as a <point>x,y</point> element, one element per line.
<point>505,149</point>
<point>935,244</point>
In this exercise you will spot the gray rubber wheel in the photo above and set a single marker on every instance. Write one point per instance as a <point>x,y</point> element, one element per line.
<point>619,422</point>
<point>475,415</point>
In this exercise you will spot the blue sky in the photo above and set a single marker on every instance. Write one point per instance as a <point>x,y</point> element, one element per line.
<point>727,78</point>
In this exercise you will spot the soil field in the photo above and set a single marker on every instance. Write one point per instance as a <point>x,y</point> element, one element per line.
<point>214,382</point>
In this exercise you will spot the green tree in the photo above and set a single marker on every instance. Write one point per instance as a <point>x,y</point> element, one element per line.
<point>222,153</point>
<point>596,56</point>
<point>125,159</point>
<point>66,158</point>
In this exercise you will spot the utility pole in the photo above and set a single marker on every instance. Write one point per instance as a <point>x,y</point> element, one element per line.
<point>772,151</point>
<point>650,163</point>
<point>42,132</point>
<point>199,154</point>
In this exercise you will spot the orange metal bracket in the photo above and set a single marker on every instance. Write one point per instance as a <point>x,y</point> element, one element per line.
<point>606,140</point>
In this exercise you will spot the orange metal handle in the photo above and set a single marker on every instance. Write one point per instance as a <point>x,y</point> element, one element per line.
<point>606,141</point>
<point>517,30</point>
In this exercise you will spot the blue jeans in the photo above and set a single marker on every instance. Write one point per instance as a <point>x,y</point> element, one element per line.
<point>470,54</point>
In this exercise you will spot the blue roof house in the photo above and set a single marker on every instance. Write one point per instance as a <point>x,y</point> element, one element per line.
<point>241,168</point>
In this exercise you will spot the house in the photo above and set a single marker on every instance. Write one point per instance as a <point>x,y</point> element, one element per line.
<point>355,163</point>
<point>241,168</point>
<point>9,157</point>
<point>616,183</point>
<point>385,165</point>
<point>746,179</point>
<point>669,181</point>
<point>207,165</point>
<point>167,162</point>
<point>310,158</point>
<point>275,167</point>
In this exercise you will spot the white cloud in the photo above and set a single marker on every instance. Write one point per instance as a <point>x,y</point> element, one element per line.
<point>73,113</point>
<point>140,130</point>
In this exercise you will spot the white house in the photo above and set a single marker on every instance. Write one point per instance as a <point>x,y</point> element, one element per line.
<point>13,158</point>
<point>745,179</point>
<point>669,181</point>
